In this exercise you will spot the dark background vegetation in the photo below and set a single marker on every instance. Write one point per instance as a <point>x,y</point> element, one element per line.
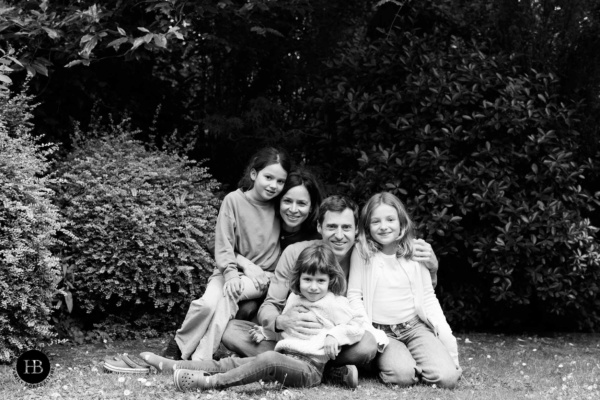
<point>481,115</point>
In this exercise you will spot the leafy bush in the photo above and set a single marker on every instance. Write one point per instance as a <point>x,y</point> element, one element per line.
<point>143,218</point>
<point>28,226</point>
<point>489,161</point>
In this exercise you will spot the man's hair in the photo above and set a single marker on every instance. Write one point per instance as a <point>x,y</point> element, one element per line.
<point>337,203</point>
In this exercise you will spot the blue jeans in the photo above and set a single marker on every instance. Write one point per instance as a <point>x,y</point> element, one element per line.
<point>237,339</point>
<point>290,370</point>
<point>415,352</point>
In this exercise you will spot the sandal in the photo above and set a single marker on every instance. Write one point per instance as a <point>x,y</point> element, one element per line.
<point>122,364</point>
<point>135,362</point>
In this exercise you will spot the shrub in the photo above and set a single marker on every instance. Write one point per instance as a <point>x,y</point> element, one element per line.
<point>28,226</point>
<point>488,159</point>
<point>143,218</point>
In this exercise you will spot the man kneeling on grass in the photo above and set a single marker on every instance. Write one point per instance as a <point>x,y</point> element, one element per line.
<point>317,283</point>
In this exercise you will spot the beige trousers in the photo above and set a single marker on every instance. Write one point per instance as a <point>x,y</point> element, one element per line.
<point>207,317</point>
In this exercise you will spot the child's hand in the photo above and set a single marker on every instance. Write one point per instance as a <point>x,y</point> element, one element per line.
<point>332,347</point>
<point>256,334</point>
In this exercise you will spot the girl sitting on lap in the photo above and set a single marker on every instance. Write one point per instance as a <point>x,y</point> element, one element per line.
<point>317,284</point>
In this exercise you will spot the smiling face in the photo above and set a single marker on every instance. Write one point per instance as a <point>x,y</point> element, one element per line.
<point>314,287</point>
<point>294,208</point>
<point>268,182</point>
<point>384,227</point>
<point>338,231</point>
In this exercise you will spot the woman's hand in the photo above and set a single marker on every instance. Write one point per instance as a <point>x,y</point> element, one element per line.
<point>332,347</point>
<point>257,276</point>
<point>233,288</point>
<point>254,272</point>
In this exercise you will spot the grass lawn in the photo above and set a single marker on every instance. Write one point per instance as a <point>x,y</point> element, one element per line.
<point>495,367</point>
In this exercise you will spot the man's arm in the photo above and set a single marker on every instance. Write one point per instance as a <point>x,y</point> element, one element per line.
<point>278,290</point>
<point>424,254</point>
<point>269,313</point>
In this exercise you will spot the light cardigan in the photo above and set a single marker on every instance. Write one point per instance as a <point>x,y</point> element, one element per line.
<point>362,284</point>
<point>335,315</point>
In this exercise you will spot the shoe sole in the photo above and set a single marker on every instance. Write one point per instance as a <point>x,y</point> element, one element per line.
<point>176,380</point>
<point>351,379</point>
<point>120,370</point>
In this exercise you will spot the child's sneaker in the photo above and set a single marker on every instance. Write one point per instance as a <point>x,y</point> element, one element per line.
<point>346,375</point>
<point>187,379</point>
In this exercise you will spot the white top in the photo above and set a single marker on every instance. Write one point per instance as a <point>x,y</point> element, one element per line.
<point>362,287</point>
<point>337,318</point>
<point>393,301</point>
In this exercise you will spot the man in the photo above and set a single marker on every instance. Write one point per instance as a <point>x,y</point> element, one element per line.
<point>337,224</point>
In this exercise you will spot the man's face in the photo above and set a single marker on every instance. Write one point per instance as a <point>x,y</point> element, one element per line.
<point>338,231</point>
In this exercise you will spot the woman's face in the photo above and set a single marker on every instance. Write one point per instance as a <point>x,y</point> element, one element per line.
<point>294,208</point>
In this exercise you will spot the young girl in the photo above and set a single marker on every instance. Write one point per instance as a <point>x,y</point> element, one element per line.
<point>247,225</point>
<point>397,295</point>
<point>317,282</point>
<point>297,208</point>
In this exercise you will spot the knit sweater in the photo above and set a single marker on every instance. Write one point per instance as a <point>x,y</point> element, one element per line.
<point>279,288</point>
<point>337,318</point>
<point>249,228</point>
<point>362,285</point>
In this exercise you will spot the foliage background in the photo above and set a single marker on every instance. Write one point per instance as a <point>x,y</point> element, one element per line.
<point>482,115</point>
<point>144,220</point>
<point>29,223</point>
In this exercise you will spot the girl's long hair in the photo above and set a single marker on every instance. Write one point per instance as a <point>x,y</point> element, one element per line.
<point>367,246</point>
<point>318,258</point>
<point>262,159</point>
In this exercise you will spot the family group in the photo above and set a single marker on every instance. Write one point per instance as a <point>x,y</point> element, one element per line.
<point>344,292</point>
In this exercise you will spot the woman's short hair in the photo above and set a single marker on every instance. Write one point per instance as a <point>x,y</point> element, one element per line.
<point>304,177</point>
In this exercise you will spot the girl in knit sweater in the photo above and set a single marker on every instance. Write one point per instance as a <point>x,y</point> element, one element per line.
<point>317,285</point>
<point>397,296</point>
<point>247,225</point>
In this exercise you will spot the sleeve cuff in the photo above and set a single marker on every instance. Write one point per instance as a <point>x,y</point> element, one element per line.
<point>230,273</point>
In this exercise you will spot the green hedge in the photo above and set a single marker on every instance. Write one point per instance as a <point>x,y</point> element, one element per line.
<point>28,226</point>
<point>490,162</point>
<point>143,218</point>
